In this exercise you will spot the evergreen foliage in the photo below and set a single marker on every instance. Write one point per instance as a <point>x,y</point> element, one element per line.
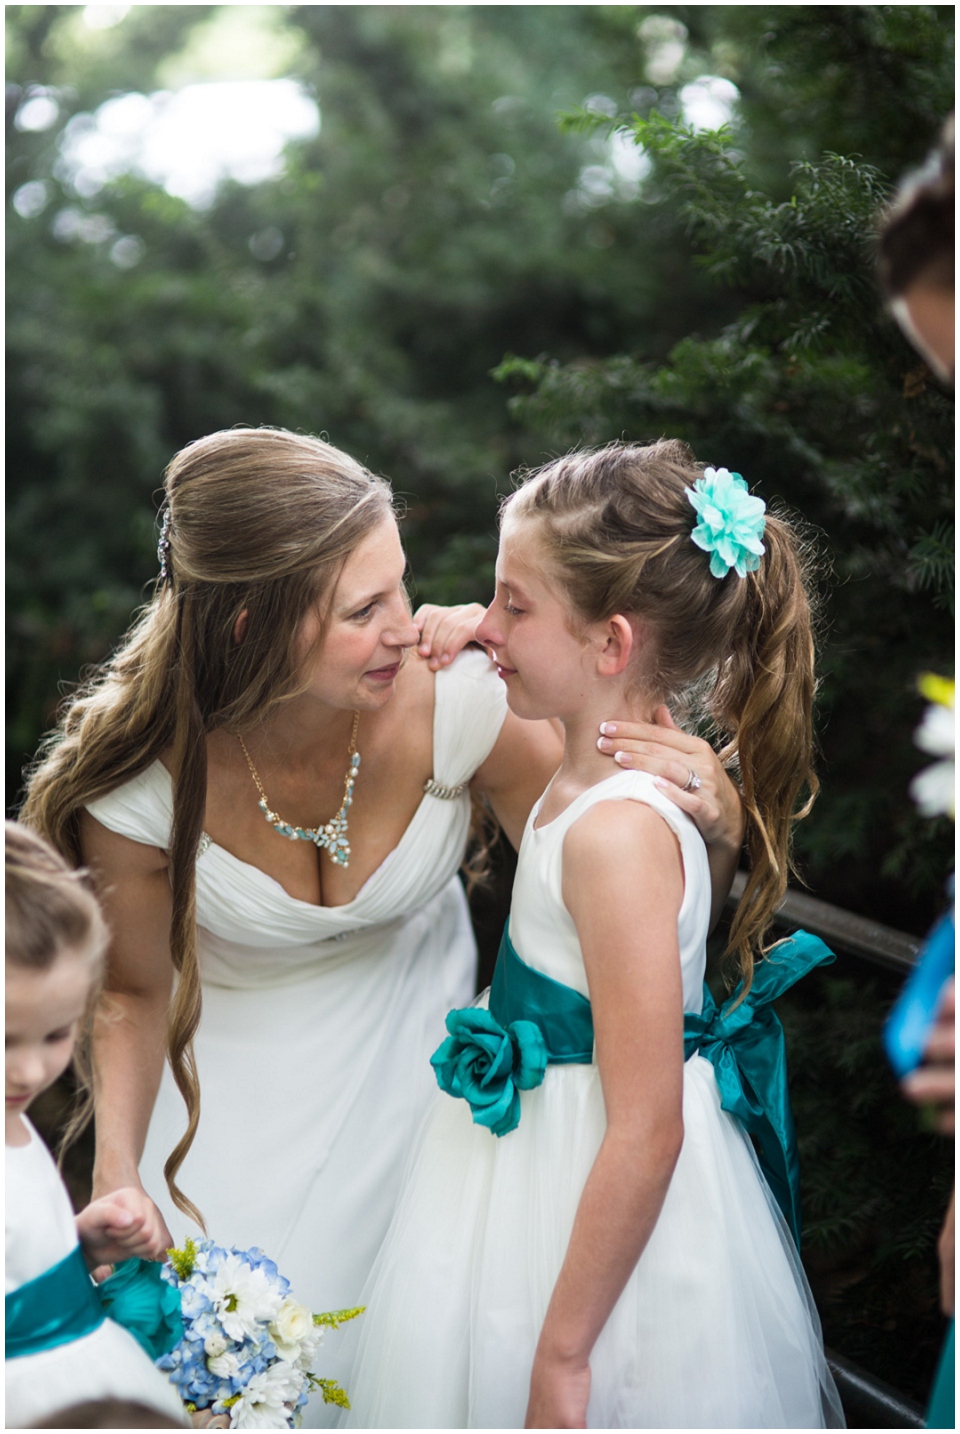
<point>874,1185</point>
<point>812,392</point>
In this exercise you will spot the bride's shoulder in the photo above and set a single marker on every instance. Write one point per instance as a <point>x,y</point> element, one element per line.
<point>140,808</point>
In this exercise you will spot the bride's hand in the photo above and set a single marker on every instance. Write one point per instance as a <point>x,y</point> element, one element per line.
<point>674,757</point>
<point>445,631</point>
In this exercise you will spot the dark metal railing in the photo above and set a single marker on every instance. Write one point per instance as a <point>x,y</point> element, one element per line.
<point>841,930</point>
<point>868,1402</point>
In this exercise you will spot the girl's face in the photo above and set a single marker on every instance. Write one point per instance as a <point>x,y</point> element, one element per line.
<point>547,668</point>
<point>368,630</point>
<point>44,1010</point>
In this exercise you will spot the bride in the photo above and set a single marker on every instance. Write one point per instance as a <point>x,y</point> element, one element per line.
<point>274,790</point>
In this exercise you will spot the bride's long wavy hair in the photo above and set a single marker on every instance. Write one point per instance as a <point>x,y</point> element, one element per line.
<point>259,520</point>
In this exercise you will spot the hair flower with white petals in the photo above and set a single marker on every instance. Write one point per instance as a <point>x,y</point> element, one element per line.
<point>730,522</point>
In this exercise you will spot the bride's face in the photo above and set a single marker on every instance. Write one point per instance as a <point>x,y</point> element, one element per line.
<point>368,628</point>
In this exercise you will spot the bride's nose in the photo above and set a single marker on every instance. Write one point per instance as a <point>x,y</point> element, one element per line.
<point>401,631</point>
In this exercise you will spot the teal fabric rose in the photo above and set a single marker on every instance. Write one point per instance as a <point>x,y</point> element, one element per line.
<point>730,522</point>
<point>488,1065</point>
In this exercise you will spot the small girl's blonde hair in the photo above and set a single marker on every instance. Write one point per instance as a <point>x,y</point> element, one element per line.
<point>51,909</point>
<point>616,524</point>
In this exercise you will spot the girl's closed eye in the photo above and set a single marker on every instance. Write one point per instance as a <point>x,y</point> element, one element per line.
<point>63,1034</point>
<point>508,607</point>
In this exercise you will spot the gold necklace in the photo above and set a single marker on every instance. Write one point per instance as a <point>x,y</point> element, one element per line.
<point>333,836</point>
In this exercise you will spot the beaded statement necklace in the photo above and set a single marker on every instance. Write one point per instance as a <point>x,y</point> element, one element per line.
<point>333,836</point>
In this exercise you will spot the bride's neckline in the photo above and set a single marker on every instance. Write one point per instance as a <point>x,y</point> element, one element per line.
<point>208,844</point>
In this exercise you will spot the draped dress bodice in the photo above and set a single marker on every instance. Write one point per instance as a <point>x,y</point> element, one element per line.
<point>318,1022</point>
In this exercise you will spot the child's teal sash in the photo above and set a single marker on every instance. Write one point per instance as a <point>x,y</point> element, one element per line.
<point>534,1021</point>
<point>63,1304</point>
<point>59,1306</point>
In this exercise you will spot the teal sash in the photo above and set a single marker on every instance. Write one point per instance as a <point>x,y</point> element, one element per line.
<point>59,1306</point>
<point>137,1298</point>
<point>745,1046</point>
<point>63,1304</point>
<point>519,993</point>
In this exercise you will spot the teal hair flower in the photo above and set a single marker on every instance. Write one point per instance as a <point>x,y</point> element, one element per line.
<point>488,1065</point>
<point>730,522</point>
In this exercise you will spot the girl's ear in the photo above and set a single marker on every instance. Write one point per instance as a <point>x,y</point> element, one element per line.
<point>618,642</point>
<point>240,626</point>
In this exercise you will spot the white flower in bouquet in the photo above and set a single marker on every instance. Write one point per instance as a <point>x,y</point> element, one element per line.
<point>224,1366</point>
<point>244,1298</point>
<point>308,1350</point>
<point>266,1401</point>
<point>293,1324</point>
<point>247,1348</point>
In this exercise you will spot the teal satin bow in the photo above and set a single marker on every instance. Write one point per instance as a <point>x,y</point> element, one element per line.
<point>58,1307</point>
<point>136,1297</point>
<point>745,1046</point>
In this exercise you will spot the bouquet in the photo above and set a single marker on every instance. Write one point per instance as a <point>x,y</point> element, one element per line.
<point>248,1347</point>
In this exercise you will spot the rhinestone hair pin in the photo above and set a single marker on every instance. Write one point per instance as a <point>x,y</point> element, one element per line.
<point>163,547</point>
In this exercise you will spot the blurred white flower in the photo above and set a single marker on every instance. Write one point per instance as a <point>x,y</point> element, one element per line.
<point>934,789</point>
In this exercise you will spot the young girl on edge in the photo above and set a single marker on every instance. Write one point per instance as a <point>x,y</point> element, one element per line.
<point>59,1347</point>
<point>585,1238</point>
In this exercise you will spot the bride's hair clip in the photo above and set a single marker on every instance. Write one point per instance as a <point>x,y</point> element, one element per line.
<point>730,522</point>
<point>163,548</point>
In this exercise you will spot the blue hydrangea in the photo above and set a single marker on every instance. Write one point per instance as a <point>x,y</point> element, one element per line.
<point>730,522</point>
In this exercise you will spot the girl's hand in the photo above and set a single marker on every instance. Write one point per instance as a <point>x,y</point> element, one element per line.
<point>445,631</point>
<point>559,1391</point>
<point>122,1226</point>
<point>671,755</point>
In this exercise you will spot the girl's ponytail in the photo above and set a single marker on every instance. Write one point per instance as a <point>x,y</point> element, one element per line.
<point>618,526</point>
<point>763,701</point>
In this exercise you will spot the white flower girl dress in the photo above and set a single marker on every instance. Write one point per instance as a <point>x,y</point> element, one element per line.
<point>318,1023</point>
<point>104,1362</point>
<point>716,1326</point>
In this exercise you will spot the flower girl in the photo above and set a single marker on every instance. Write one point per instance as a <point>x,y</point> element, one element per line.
<point>59,1347</point>
<point>585,1236</point>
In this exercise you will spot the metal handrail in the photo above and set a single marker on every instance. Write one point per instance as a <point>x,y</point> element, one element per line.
<point>842,930</point>
<point>871,1403</point>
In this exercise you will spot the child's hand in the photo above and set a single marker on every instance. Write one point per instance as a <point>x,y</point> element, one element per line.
<point>675,758</point>
<point>121,1226</point>
<point>559,1392</point>
<point>445,631</point>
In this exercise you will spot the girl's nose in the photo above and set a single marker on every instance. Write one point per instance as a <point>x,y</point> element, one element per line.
<point>488,631</point>
<point>24,1071</point>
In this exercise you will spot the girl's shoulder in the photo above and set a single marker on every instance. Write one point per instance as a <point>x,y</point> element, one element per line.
<point>642,788</point>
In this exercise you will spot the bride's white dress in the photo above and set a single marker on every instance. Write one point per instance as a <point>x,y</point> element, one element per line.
<point>318,1025</point>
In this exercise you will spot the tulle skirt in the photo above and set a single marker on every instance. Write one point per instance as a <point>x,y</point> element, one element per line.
<point>716,1327</point>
